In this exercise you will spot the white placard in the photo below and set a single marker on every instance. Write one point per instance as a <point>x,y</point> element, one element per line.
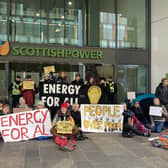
<point>102,118</point>
<point>131,95</point>
<point>155,111</point>
<point>25,125</point>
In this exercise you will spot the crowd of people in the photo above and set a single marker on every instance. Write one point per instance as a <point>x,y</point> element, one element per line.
<point>135,121</point>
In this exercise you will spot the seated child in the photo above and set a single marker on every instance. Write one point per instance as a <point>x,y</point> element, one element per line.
<point>131,125</point>
<point>158,121</point>
<point>64,141</point>
<point>77,118</point>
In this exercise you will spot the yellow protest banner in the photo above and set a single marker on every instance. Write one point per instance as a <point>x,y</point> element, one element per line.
<point>28,85</point>
<point>64,127</point>
<point>49,69</point>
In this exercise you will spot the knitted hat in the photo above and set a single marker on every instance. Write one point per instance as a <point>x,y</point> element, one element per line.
<point>64,105</point>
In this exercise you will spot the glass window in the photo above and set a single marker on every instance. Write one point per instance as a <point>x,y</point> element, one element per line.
<point>131,78</point>
<point>28,21</point>
<point>65,22</point>
<point>101,23</point>
<point>3,20</point>
<point>131,23</point>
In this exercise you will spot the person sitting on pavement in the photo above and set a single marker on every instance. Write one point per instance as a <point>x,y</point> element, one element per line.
<point>129,122</point>
<point>66,142</point>
<point>40,105</point>
<point>22,103</point>
<point>6,109</point>
<point>158,121</point>
<point>139,114</point>
<point>76,114</point>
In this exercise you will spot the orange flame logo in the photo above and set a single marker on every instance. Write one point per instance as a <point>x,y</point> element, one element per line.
<point>4,49</point>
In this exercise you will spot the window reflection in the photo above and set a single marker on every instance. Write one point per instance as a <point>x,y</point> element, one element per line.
<point>3,20</point>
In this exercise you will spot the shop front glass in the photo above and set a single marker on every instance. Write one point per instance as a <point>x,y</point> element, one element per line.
<point>3,20</point>
<point>131,78</point>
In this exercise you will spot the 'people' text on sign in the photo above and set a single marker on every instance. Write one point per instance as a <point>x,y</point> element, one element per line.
<point>25,125</point>
<point>102,118</point>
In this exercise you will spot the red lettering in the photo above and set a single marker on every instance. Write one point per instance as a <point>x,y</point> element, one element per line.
<point>35,117</point>
<point>44,133</point>
<point>13,120</point>
<point>24,131</point>
<point>3,121</point>
<point>29,117</point>
<point>22,118</point>
<point>44,115</point>
<point>15,133</point>
<point>3,132</point>
<point>37,130</point>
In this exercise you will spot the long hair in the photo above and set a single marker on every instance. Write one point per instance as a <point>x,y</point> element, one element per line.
<point>60,113</point>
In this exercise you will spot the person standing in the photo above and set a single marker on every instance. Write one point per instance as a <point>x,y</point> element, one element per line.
<point>29,94</point>
<point>62,78</point>
<point>112,91</point>
<point>15,89</point>
<point>162,92</point>
<point>78,80</point>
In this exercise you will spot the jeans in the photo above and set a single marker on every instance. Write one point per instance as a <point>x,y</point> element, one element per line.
<point>158,126</point>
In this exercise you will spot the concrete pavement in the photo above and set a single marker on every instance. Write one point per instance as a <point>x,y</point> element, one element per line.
<point>99,151</point>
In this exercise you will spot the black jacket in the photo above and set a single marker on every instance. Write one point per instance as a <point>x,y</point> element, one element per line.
<point>75,82</point>
<point>162,94</point>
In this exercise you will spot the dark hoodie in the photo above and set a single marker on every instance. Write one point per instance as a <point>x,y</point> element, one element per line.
<point>162,94</point>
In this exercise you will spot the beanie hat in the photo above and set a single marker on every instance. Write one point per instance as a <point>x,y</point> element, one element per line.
<point>64,105</point>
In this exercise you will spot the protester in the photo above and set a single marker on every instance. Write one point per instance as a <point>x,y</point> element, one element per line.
<point>16,92</point>
<point>62,78</point>
<point>112,96</point>
<point>62,140</point>
<point>76,114</point>
<point>29,95</point>
<point>69,105</point>
<point>91,81</point>
<point>40,105</point>
<point>22,103</point>
<point>139,114</point>
<point>105,90</point>
<point>129,122</point>
<point>162,92</point>
<point>6,109</point>
<point>78,80</point>
<point>52,77</point>
<point>46,79</point>
<point>158,121</point>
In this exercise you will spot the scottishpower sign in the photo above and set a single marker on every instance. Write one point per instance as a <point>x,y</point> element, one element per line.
<point>57,52</point>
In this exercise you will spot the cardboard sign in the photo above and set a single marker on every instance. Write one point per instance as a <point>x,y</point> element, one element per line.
<point>155,111</point>
<point>18,110</point>
<point>102,118</point>
<point>49,69</point>
<point>131,95</point>
<point>64,127</point>
<point>28,85</point>
<point>25,125</point>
